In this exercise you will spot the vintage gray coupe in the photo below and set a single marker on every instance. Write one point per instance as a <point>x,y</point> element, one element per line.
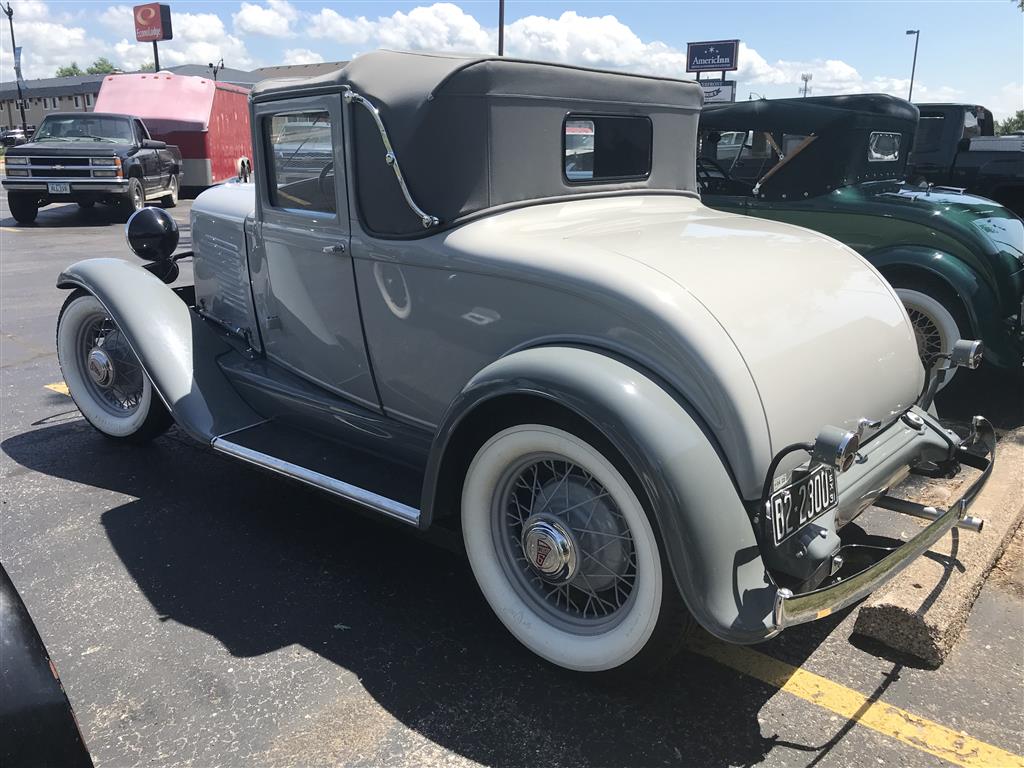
<point>641,414</point>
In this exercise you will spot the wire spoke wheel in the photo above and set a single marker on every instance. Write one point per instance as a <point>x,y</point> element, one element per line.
<point>929,338</point>
<point>104,377</point>
<point>115,377</point>
<point>565,542</point>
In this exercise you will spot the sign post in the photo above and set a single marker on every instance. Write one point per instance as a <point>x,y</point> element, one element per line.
<point>153,23</point>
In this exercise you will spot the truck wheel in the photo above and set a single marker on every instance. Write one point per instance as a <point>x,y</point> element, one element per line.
<point>103,374</point>
<point>171,198</point>
<point>565,553</point>
<point>135,198</point>
<point>24,208</point>
<point>936,328</point>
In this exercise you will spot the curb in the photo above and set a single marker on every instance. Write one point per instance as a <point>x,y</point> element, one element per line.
<point>923,610</point>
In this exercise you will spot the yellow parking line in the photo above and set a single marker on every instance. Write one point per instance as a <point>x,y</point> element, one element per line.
<point>59,387</point>
<point>918,732</point>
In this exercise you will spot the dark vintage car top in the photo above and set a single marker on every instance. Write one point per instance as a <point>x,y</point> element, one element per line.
<point>449,116</point>
<point>841,125</point>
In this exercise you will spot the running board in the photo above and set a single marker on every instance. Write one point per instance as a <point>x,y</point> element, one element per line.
<point>332,485</point>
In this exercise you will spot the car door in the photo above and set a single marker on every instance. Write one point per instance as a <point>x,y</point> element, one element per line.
<point>302,275</point>
<point>147,158</point>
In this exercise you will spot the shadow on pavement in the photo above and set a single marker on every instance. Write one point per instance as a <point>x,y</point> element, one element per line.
<point>261,564</point>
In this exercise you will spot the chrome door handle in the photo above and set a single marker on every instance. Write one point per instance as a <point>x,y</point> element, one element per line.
<point>339,248</point>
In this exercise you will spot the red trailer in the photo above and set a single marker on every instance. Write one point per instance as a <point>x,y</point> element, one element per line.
<point>208,121</point>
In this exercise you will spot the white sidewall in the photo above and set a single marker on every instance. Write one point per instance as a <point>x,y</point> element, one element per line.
<point>589,653</point>
<point>949,332</point>
<point>72,366</point>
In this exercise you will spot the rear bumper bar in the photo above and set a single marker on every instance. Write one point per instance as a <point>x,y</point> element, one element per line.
<point>790,609</point>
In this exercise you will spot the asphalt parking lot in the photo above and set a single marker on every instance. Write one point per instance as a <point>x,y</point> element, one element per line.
<point>204,614</point>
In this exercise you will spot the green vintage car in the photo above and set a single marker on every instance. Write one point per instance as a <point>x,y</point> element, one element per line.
<point>836,164</point>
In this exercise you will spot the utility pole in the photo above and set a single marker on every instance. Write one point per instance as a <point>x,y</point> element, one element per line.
<point>913,68</point>
<point>17,73</point>
<point>806,77</point>
<point>501,27</point>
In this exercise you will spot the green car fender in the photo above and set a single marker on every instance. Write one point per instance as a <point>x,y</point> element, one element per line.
<point>978,300</point>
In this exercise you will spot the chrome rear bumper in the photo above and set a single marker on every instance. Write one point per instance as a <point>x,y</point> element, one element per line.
<point>790,609</point>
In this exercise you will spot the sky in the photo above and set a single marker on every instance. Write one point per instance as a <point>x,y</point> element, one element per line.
<point>970,50</point>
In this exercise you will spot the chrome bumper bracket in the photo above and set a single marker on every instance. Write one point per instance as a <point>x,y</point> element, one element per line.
<point>790,609</point>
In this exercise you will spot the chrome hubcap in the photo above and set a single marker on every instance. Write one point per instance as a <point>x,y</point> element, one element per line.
<point>550,549</point>
<point>100,367</point>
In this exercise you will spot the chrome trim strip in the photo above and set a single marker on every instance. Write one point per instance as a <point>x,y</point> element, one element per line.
<point>332,485</point>
<point>390,158</point>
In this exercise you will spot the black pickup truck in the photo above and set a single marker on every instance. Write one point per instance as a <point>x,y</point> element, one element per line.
<point>89,158</point>
<point>956,146</point>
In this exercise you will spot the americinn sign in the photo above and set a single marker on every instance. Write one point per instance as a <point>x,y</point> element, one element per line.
<point>712,56</point>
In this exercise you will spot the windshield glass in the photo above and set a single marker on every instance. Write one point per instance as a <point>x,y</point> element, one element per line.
<point>86,128</point>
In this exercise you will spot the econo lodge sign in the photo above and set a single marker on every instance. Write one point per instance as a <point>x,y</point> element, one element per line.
<point>152,22</point>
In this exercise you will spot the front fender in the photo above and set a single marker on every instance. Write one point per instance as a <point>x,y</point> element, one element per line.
<point>177,349</point>
<point>708,538</point>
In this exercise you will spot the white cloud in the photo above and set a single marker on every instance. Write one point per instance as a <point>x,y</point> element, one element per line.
<point>118,19</point>
<point>199,38</point>
<point>1007,101</point>
<point>302,56</point>
<point>47,42</point>
<point>438,27</point>
<point>340,29</point>
<point>273,19</point>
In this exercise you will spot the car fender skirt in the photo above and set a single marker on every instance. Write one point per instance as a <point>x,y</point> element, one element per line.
<point>177,348</point>
<point>706,533</point>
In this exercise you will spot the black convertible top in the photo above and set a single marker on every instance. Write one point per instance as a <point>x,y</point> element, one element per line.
<point>834,141</point>
<point>475,132</point>
<point>813,114</point>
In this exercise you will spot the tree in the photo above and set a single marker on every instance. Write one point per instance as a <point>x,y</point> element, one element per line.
<point>1011,124</point>
<point>102,66</point>
<point>149,66</point>
<point>71,71</point>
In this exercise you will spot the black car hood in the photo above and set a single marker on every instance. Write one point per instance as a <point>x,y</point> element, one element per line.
<point>69,149</point>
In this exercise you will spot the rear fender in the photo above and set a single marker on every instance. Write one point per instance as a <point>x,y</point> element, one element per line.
<point>708,538</point>
<point>177,348</point>
<point>975,295</point>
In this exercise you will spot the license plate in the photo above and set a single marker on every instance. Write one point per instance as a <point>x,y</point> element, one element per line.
<point>60,188</point>
<point>794,506</point>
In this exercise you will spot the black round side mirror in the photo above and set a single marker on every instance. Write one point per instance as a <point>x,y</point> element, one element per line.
<point>152,233</point>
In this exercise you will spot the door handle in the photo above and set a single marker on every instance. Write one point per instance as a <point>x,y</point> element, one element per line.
<point>339,248</point>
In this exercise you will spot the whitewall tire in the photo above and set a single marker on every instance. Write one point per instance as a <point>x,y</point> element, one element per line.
<point>562,548</point>
<point>935,328</point>
<point>104,376</point>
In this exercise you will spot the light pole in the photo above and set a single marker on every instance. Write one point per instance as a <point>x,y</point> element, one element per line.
<point>216,68</point>
<point>806,77</point>
<point>913,68</point>
<point>501,27</point>
<point>17,75</point>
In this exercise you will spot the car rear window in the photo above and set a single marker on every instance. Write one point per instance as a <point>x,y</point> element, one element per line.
<point>603,148</point>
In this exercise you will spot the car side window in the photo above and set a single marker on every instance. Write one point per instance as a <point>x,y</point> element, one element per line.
<point>300,156</point>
